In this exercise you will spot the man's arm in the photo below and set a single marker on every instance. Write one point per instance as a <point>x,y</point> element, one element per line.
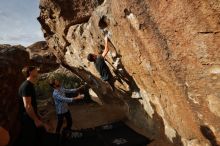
<point>30,111</point>
<point>58,96</point>
<point>69,90</point>
<point>80,88</point>
<point>105,52</point>
<point>73,90</point>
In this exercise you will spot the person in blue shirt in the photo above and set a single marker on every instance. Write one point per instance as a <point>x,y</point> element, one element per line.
<point>61,103</point>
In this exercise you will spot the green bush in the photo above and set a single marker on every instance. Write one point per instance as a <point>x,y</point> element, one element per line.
<point>44,91</point>
<point>68,82</point>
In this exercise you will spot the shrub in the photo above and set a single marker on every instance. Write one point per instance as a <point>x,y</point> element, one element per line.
<point>43,89</point>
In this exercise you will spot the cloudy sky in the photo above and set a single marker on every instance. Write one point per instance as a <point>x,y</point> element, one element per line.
<point>18,22</point>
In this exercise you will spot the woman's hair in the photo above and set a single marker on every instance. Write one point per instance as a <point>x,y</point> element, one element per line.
<point>52,82</point>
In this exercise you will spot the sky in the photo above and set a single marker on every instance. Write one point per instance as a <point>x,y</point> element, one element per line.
<point>18,22</point>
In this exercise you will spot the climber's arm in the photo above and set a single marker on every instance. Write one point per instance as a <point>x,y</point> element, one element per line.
<point>105,52</point>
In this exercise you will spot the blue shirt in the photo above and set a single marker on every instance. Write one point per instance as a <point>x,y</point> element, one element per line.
<point>61,101</point>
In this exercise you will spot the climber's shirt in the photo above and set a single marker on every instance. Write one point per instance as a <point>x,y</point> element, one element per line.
<point>102,68</point>
<point>27,90</point>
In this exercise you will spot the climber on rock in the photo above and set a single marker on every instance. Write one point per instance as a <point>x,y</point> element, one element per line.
<point>101,66</point>
<point>31,123</point>
<point>61,103</point>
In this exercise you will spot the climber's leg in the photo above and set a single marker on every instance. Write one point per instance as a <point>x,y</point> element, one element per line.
<point>111,82</point>
<point>59,122</point>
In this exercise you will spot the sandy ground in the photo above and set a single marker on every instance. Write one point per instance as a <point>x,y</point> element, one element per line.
<point>86,115</point>
<point>90,115</point>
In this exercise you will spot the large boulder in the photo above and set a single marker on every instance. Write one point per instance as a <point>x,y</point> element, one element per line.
<point>164,53</point>
<point>13,59</point>
<point>41,56</point>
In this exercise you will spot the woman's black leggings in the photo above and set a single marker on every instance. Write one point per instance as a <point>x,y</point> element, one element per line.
<point>60,117</point>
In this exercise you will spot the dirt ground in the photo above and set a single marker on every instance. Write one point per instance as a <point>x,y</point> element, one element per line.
<point>86,115</point>
<point>90,115</point>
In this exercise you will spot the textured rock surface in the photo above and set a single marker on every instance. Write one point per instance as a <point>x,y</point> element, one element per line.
<point>166,52</point>
<point>41,56</point>
<point>12,60</point>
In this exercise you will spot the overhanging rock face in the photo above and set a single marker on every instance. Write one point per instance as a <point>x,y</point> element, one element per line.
<point>164,53</point>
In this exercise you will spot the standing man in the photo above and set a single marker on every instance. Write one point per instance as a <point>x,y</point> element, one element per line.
<point>61,103</point>
<point>101,66</point>
<point>30,120</point>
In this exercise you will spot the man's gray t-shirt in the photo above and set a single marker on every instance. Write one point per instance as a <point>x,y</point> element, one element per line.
<point>102,68</point>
